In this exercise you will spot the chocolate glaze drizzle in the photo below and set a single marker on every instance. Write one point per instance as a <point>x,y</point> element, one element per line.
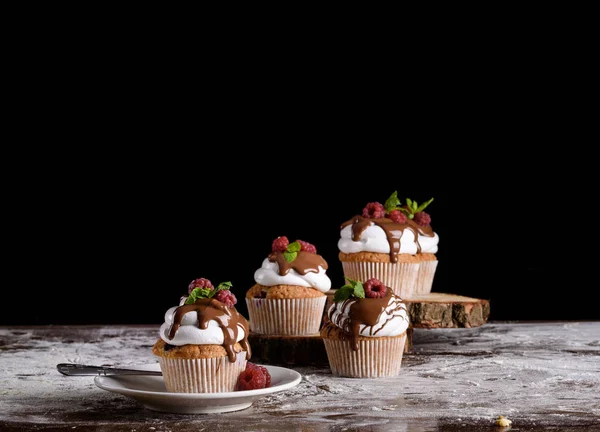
<point>305,262</point>
<point>393,231</point>
<point>229,320</point>
<point>364,311</point>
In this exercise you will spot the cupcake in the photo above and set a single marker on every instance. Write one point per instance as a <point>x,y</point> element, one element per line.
<point>203,345</point>
<point>366,331</point>
<point>393,243</point>
<point>289,297</point>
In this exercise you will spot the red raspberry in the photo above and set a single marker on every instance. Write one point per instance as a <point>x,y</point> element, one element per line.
<point>422,218</point>
<point>226,297</point>
<point>200,283</point>
<point>374,210</point>
<point>374,288</point>
<point>262,369</point>
<point>251,378</point>
<point>267,375</point>
<point>398,216</point>
<point>307,247</point>
<point>280,244</point>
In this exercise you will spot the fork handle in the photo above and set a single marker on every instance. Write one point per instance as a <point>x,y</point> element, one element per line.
<point>73,369</point>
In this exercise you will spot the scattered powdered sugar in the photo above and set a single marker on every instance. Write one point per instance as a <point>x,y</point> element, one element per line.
<point>542,374</point>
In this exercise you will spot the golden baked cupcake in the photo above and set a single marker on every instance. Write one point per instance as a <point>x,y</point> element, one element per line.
<point>392,242</point>
<point>203,344</point>
<point>289,295</point>
<point>366,331</point>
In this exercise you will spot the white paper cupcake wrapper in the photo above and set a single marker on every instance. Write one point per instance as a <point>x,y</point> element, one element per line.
<point>210,375</point>
<point>401,277</point>
<point>286,316</point>
<point>375,358</point>
<point>425,277</point>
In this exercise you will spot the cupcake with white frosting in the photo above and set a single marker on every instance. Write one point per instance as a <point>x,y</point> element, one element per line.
<point>289,295</point>
<point>366,331</point>
<point>203,345</point>
<point>392,242</point>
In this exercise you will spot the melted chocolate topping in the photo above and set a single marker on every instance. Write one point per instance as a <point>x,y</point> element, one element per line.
<point>229,320</point>
<point>393,231</point>
<point>305,262</point>
<point>364,311</point>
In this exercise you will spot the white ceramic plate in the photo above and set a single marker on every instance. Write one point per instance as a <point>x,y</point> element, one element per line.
<point>151,392</point>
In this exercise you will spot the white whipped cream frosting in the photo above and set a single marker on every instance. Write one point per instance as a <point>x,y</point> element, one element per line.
<point>190,333</point>
<point>393,321</point>
<point>374,239</point>
<point>268,275</point>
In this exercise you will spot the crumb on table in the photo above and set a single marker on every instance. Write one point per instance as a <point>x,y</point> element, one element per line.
<point>503,421</point>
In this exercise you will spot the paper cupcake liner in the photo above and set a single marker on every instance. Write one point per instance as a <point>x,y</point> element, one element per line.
<point>375,358</point>
<point>425,277</point>
<point>401,277</point>
<point>286,316</point>
<point>206,375</point>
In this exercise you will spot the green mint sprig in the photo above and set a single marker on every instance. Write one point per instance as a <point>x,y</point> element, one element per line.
<point>292,251</point>
<point>200,293</point>
<point>353,288</point>
<point>411,207</point>
<point>392,203</point>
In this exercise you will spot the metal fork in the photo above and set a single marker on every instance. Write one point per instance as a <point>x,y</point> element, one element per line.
<point>73,369</point>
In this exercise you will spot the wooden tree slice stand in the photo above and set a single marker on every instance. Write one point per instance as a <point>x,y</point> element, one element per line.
<point>431,311</point>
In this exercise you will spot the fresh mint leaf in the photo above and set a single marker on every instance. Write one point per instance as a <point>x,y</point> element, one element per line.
<point>191,299</point>
<point>199,293</point>
<point>290,256</point>
<point>359,290</point>
<point>392,202</point>
<point>204,292</point>
<point>294,247</point>
<point>224,286</point>
<point>353,288</point>
<point>343,293</point>
<point>423,206</point>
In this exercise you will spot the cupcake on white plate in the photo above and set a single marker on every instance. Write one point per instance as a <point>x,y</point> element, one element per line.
<point>366,331</point>
<point>392,242</point>
<point>289,295</point>
<point>203,345</point>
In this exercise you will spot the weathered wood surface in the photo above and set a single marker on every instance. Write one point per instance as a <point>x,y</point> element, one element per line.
<point>441,310</point>
<point>542,376</point>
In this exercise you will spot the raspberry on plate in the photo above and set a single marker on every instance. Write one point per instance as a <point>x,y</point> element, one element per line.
<point>267,375</point>
<point>254,377</point>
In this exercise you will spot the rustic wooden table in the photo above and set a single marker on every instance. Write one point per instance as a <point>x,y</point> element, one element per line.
<point>541,376</point>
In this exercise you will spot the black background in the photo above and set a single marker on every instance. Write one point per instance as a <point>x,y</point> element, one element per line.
<point>116,238</point>
<point>132,170</point>
<point>121,188</point>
